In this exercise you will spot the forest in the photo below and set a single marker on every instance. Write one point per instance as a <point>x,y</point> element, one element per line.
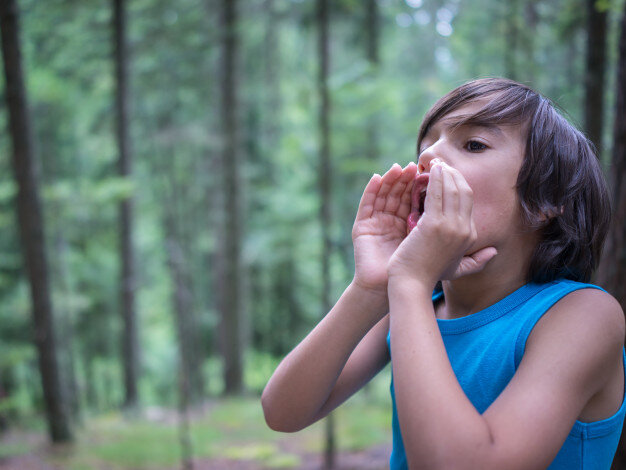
<point>178,184</point>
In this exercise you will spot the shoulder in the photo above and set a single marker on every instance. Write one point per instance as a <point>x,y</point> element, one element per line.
<point>587,311</point>
<point>587,326</point>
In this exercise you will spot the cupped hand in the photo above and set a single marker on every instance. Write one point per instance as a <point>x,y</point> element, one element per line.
<point>438,248</point>
<point>380,224</point>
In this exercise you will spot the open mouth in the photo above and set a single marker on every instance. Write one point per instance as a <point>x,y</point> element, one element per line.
<point>418,196</point>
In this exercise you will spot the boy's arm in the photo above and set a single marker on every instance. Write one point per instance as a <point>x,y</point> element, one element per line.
<point>572,353</point>
<point>369,357</point>
<point>327,367</point>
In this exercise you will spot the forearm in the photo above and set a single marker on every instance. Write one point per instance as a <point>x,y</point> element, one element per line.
<point>305,378</point>
<point>440,426</point>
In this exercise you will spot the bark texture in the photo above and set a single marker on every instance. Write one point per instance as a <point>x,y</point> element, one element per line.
<point>31,224</point>
<point>373,57</point>
<point>130,349</point>
<point>594,74</point>
<point>612,273</point>
<point>324,182</point>
<point>230,275</point>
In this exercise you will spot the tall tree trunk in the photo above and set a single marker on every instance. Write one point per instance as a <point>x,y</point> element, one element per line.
<point>511,39</point>
<point>130,347</point>
<point>594,74</point>
<point>373,31</point>
<point>272,123</point>
<point>181,304</point>
<point>182,300</point>
<point>324,181</point>
<point>612,273</point>
<point>66,330</point>
<point>531,17</point>
<point>31,224</point>
<point>372,51</point>
<point>231,289</point>
<point>184,429</point>
<point>373,57</point>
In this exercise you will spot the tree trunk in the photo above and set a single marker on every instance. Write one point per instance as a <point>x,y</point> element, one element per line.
<point>272,122</point>
<point>372,51</point>
<point>324,181</point>
<point>511,39</point>
<point>612,274</point>
<point>31,224</point>
<point>184,428</point>
<point>182,305</point>
<point>594,74</point>
<point>230,275</point>
<point>531,17</point>
<point>66,330</point>
<point>130,349</point>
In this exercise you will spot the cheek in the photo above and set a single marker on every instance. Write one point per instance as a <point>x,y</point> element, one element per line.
<point>495,206</point>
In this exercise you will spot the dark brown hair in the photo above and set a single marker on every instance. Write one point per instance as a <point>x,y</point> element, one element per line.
<point>561,188</point>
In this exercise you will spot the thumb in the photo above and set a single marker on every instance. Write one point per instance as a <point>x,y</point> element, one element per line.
<point>475,262</point>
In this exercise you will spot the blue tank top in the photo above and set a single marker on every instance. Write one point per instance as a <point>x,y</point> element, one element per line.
<point>486,348</point>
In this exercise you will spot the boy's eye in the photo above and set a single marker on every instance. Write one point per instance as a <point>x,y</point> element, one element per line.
<point>475,146</point>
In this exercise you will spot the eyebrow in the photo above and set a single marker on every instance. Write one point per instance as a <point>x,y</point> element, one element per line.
<point>457,122</point>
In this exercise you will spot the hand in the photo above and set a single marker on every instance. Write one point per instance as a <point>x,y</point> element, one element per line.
<point>436,249</point>
<point>380,225</point>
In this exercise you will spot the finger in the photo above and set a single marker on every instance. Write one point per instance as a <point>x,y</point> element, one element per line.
<point>475,262</point>
<point>386,185</point>
<point>394,198</point>
<point>466,198</point>
<point>450,192</point>
<point>405,200</point>
<point>366,205</point>
<point>434,203</point>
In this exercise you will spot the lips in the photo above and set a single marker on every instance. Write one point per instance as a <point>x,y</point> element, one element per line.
<point>418,196</point>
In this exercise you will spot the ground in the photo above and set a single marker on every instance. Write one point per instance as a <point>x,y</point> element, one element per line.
<point>226,434</point>
<point>374,458</point>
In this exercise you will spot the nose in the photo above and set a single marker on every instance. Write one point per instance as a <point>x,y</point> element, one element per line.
<point>426,158</point>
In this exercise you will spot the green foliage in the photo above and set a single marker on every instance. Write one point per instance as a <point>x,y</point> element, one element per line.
<point>258,369</point>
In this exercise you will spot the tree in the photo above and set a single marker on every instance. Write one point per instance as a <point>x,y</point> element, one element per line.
<point>373,56</point>
<point>512,38</point>
<point>594,73</point>
<point>230,271</point>
<point>324,182</point>
<point>130,348</point>
<point>612,272</point>
<point>190,352</point>
<point>31,225</point>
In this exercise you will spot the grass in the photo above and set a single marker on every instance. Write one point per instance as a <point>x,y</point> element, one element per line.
<point>14,448</point>
<point>231,428</point>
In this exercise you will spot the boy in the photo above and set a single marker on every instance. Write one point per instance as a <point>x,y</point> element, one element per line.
<point>514,361</point>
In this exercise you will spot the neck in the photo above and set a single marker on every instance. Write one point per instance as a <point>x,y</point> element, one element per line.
<point>503,275</point>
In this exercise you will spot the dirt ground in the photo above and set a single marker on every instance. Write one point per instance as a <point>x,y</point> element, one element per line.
<point>375,458</point>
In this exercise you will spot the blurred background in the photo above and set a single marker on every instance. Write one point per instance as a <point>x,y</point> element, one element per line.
<point>178,182</point>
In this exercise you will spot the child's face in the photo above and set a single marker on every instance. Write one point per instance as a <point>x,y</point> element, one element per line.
<point>490,160</point>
